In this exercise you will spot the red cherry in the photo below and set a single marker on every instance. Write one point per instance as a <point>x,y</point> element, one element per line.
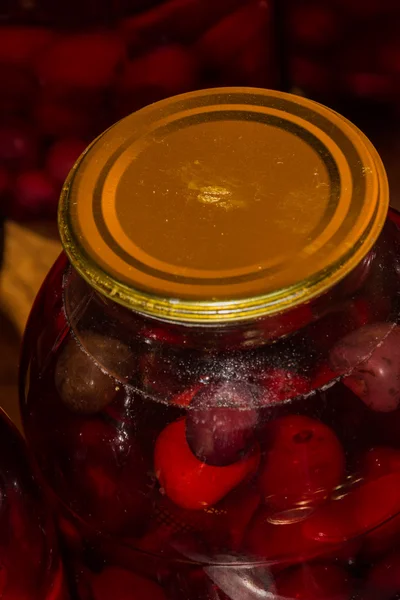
<point>185,397</point>
<point>165,71</point>
<point>105,477</point>
<point>220,45</point>
<point>371,357</point>
<point>35,196</point>
<point>62,157</point>
<point>315,582</point>
<point>282,542</point>
<point>18,147</point>
<point>357,512</point>
<point>383,580</point>
<point>20,45</point>
<point>187,481</point>
<point>313,24</point>
<point>278,385</point>
<point>303,465</point>
<point>120,584</point>
<point>174,19</point>
<point>380,461</point>
<point>221,422</point>
<point>4,181</point>
<point>370,85</point>
<point>312,75</point>
<point>20,90</point>
<point>81,61</point>
<point>253,66</point>
<point>55,118</point>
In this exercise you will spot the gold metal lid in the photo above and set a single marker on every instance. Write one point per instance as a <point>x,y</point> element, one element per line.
<point>223,205</point>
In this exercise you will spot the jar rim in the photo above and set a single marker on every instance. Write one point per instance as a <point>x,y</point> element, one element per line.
<point>284,199</point>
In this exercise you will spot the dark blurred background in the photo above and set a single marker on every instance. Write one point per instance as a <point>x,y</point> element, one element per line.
<point>69,69</point>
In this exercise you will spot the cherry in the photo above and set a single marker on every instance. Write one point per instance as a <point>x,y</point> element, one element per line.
<point>187,481</point>
<point>384,578</point>
<point>58,118</point>
<point>120,584</point>
<point>303,465</point>
<point>313,25</point>
<point>20,45</point>
<point>221,422</point>
<point>17,96</point>
<point>62,156</point>
<point>34,196</point>
<point>220,44</point>
<point>357,512</point>
<point>315,582</point>
<point>18,147</point>
<point>312,75</point>
<point>194,583</point>
<point>81,376</point>
<point>104,476</point>
<point>278,385</point>
<point>282,541</point>
<point>174,19</point>
<point>84,61</point>
<point>380,461</point>
<point>4,181</point>
<point>162,72</point>
<point>371,359</point>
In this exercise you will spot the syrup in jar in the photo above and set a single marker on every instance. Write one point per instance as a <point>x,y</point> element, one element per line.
<point>211,368</point>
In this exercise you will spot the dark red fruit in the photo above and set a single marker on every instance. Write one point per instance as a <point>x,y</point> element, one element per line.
<point>18,147</point>
<point>163,72</point>
<point>58,118</point>
<point>81,376</point>
<point>357,512</point>
<point>34,196</point>
<point>82,61</point>
<point>383,580</point>
<point>313,25</point>
<point>278,385</point>
<point>303,464</point>
<point>20,45</point>
<point>120,584</point>
<point>187,481</point>
<point>282,542</point>
<point>315,582</point>
<point>370,360</point>
<point>380,461</point>
<point>220,45</point>
<point>221,421</point>
<point>19,93</point>
<point>62,156</point>
<point>104,476</point>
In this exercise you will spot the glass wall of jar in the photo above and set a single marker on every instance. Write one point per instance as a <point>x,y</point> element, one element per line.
<point>30,566</point>
<point>346,54</point>
<point>210,380</point>
<point>71,69</point>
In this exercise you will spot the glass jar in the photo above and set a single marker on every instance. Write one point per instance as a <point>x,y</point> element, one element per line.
<point>210,371</point>
<point>30,567</point>
<point>346,54</point>
<point>71,69</point>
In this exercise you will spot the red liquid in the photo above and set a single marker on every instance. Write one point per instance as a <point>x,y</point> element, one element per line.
<point>183,473</point>
<point>30,567</point>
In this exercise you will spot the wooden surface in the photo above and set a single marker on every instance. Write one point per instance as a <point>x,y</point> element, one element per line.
<point>29,254</point>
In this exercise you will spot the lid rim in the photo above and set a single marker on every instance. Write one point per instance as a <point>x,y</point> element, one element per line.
<point>219,311</point>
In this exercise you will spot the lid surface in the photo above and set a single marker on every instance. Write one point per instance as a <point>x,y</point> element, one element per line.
<point>223,205</point>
